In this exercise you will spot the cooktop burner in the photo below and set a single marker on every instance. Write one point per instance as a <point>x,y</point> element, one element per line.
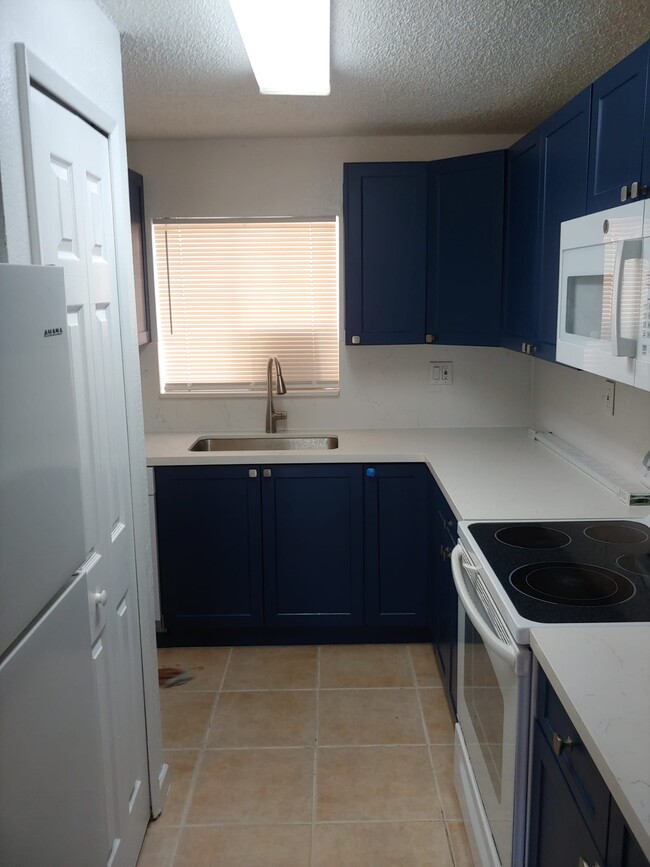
<point>532,536</point>
<point>618,534</point>
<point>572,584</point>
<point>570,571</point>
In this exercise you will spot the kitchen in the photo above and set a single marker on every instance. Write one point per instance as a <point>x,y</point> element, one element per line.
<point>381,387</point>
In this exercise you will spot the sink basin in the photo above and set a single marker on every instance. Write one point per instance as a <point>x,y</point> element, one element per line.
<point>263,444</point>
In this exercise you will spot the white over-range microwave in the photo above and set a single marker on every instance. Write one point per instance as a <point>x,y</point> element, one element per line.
<point>604,294</point>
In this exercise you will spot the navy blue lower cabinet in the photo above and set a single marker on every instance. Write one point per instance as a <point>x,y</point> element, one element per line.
<point>558,835</point>
<point>209,546</point>
<point>622,847</point>
<point>445,598</point>
<point>397,544</point>
<point>465,249</point>
<point>313,544</point>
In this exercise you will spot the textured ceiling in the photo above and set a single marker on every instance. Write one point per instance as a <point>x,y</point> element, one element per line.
<point>398,66</point>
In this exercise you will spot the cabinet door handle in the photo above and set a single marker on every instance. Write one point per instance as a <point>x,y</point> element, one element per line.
<point>356,340</point>
<point>582,862</point>
<point>267,474</point>
<point>561,744</point>
<point>634,190</point>
<point>428,338</point>
<point>101,598</point>
<point>252,474</point>
<point>624,193</point>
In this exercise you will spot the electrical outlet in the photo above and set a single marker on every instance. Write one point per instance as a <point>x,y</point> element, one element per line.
<point>440,372</point>
<point>609,393</point>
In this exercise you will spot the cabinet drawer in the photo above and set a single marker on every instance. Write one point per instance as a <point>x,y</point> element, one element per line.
<point>586,784</point>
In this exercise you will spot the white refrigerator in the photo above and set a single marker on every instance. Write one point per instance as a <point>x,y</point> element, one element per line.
<point>52,808</point>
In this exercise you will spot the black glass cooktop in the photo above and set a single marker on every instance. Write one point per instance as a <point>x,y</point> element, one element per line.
<point>571,571</point>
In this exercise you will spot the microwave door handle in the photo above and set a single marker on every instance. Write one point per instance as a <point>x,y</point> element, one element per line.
<point>506,652</point>
<point>625,250</point>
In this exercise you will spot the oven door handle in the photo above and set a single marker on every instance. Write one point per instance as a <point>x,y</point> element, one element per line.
<point>504,651</point>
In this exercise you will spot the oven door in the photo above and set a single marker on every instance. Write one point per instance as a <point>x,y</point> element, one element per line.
<point>493,714</point>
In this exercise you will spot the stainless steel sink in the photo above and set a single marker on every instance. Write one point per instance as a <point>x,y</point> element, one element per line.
<point>263,444</point>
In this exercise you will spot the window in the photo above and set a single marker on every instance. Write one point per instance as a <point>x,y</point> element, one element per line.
<point>231,294</point>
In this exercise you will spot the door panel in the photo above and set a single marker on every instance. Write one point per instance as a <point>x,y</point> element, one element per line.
<point>75,222</point>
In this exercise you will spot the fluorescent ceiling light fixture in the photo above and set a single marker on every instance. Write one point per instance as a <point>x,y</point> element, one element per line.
<point>288,44</point>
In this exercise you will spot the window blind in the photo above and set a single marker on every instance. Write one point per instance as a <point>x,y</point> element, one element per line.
<point>231,294</point>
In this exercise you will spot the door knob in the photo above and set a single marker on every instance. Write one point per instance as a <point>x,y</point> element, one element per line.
<point>101,598</point>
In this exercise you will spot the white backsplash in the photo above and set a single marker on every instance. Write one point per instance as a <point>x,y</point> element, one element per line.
<point>571,404</point>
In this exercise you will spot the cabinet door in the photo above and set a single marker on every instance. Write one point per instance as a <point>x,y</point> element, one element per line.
<point>558,835</point>
<point>522,250</point>
<point>313,540</point>
<point>209,546</point>
<point>445,598</point>
<point>140,268</point>
<point>622,847</point>
<point>563,196</point>
<point>465,229</point>
<point>385,210</point>
<point>397,544</point>
<point>617,130</point>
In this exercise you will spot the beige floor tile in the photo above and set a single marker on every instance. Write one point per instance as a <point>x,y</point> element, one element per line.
<point>264,719</point>
<point>424,663</point>
<point>440,727</point>
<point>365,665</point>
<point>459,845</point>
<point>185,717</point>
<point>245,846</point>
<point>253,786</point>
<point>391,844</point>
<point>181,767</point>
<point>369,716</point>
<point>272,668</point>
<point>158,846</point>
<point>442,758</point>
<point>363,783</point>
<point>206,664</point>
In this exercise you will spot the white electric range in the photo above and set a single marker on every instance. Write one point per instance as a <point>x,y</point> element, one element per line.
<point>511,576</point>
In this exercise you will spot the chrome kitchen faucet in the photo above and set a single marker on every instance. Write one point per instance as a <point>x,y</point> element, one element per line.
<point>273,416</point>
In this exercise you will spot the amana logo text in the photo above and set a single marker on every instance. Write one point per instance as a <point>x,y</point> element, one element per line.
<point>52,332</point>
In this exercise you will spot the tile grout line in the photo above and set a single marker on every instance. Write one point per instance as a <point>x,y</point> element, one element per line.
<point>433,770</point>
<point>316,744</point>
<point>195,775</point>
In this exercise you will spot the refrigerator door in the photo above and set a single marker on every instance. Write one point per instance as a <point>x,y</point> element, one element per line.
<point>52,809</point>
<point>41,519</point>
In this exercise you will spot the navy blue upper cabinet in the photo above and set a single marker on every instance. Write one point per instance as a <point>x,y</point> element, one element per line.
<point>620,133</point>
<point>210,546</point>
<point>385,252</point>
<point>521,278</point>
<point>465,227</point>
<point>397,544</point>
<point>563,196</point>
<point>313,544</point>
<point>546,184</point>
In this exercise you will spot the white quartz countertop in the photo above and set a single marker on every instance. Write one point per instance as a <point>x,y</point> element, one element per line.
<point>601,674</point>
<point>485,473</point>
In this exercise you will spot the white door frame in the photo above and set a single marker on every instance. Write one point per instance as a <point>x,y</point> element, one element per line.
<point>33,71</point>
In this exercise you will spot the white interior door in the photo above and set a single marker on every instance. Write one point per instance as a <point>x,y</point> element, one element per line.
<point>75,226</point>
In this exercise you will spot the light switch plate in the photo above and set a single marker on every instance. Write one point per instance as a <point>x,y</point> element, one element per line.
<point>441,372</point>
